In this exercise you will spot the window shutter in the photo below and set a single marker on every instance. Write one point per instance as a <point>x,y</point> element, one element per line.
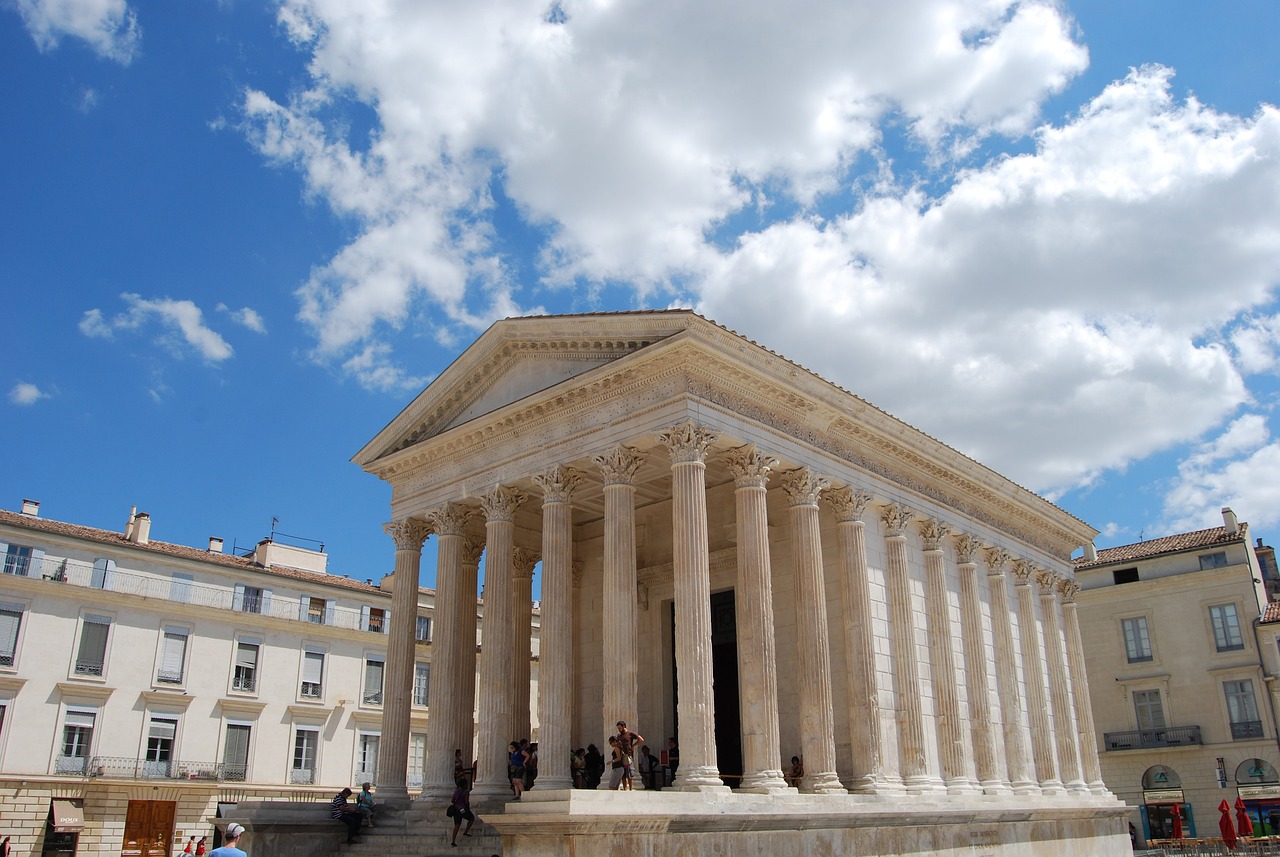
<point>364,617</point>
<point>304,608</point>
<point>312,667</point>
<point>266,603</point>
<point>373,677</point>
<point>236,752</point>
<point>80,717</point>
<point>173,654</point>
<point>237,600</point>
<point>99,579</point>
<point>180,588</point>
<point>93,640</point>
<point>247,655</point>
<point>164,729</point>
<point>36,567</point>
<point>386,621</point>
<point>10,623</point>
<point>328,611</point>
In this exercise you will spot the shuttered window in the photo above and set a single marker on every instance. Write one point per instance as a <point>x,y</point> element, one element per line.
<point>10,624</point>
<point>312,674</point>
<point>373,668</point>
<point>245,677</point>
<point>173,655</point>
<point>92,656</point>
<point>235,754</point>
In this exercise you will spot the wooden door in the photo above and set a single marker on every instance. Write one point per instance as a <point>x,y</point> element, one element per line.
<point>148,828</point>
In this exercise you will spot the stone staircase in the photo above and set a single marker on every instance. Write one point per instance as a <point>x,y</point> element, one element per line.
<point>422,830</point>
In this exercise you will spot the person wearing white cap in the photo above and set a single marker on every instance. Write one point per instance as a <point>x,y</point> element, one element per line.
<point>231,842</point>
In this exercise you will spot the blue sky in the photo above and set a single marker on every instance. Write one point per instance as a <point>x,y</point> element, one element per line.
<point>237,238</point>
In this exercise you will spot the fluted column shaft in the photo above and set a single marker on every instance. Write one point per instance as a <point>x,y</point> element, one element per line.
<point>397,686</point>
<point>555,660</point>
<point>906,672</point>
<point>757,667</point>
<point>1017,757</point>
<point>863,699</point>
<point>1064,733</point>
<point>1033,669</point>
<point>817,719</point>
<point>523,562</point>
<point>496,689</point>
<point>1080,691</point>
<point>688,445</point>
<point>952,751</point>
<point>444,694</point>
<point>978,689</point>
<point>465,713</point>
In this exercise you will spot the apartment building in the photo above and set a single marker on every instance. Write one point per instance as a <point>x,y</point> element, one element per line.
<point>145,686</point>
<point>1179,685</point>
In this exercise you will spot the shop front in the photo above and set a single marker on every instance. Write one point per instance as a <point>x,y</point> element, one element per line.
<point>1165,812</point>
<point>1259,788</point>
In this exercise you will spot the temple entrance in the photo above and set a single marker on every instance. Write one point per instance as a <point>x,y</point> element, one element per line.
<point>724,671</point>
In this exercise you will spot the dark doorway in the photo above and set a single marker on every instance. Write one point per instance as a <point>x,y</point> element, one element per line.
<point>724,672</point>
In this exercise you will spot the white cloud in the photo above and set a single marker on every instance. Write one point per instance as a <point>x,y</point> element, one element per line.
<point>24,394</point>
<point>110,27</point>
<point>245,317</point>
<point>182,322</point>
<point>1239,468</point>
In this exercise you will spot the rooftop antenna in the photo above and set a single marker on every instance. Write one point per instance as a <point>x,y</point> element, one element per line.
<point>274,522</point>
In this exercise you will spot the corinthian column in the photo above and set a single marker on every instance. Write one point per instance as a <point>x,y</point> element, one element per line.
<point>555,647</point>
<point>444,694</point>
<point>757,668</point>
<point>688,443</point>
<point>397,697</point>
<point>619,466</point>
<point>906,672</point>
<point>952,751</point>
<point>1080,690</point>
<point>1064,735</point>
<point>977,687</point>
<point>1033,669</point>
<point>863,699</point>
<point>522,563</point>
<point>496,688</point>
<point>1015,739</point>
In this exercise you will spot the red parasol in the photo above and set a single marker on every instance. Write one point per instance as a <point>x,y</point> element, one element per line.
<point>1176,812</point>
<point>1224,824</point>
<point>1244,826</point>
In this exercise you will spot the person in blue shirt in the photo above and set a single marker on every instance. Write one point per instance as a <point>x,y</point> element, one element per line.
<point>231,846</point>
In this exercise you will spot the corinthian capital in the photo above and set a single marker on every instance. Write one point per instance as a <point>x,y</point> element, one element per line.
<point>966,548</point>
<point>932,532</point>
<point>408,534</point>
<point>523,562</point>
<point>557,483</point>
<point>450,519</point>
<point>687,441</point>
<point>997,559</point>
<point>1068,588</point>
<point>619,465</point>
<point>895,518</point>
<point>749,466</point>
<point>1023,571</point>
<point>847,503</point>
<point>472,550</point>
<point>501,503</point>
<point>804,486</point>
<point>1048,581</point>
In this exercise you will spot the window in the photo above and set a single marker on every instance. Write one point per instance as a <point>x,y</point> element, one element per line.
<point>91,658</point>
<point>376,620</point>
<point>305,742</point>
<point>1125,575</point>
<point>160,738</point>
<point>417,760</point>
<point>312,674</point>
<point>173,655</point>
<point>1242,709</point>
<point>77,736</point>
<point>1213,560</point>
<point>1148,708</point>
<point>249,599</point>
<point>1137,642</point>
<point>17,560</point>
<point>1226,627</point>
<point>421,683</point>
<point>367,758</point>
<point>373,667</point>
<point>316,610</point>
<point>10,625</point>
<point>235,753</point>
<point>245,677</point>
<point>103,576</point>
<point>423,632</point>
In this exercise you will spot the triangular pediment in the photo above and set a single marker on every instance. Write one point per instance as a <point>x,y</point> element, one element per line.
<point>516,358</point>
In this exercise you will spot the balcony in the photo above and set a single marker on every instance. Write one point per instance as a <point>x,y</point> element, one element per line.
<point>125,768</point>
<point>1246,729</point>
<point>1143,739</point>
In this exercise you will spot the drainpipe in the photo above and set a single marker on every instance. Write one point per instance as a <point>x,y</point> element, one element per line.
<point>1268,680</point>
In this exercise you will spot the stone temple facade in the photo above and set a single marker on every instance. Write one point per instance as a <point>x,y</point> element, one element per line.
<point>741,554</point>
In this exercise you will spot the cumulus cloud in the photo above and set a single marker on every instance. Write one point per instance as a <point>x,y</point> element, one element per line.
<point>24,394</point>
<point>1099,295</point>
<point>1239,468</point>
<point>245,317</point>
<point>109,27</point>
<point>181,323</point>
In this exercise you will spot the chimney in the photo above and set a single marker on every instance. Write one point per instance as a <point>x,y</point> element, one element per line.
<point>128,527</point>
<point>1090,552</point>
<point>31,508</point>
<point>1229,520</point>
<point>141,529</point>
<point>215,544</point>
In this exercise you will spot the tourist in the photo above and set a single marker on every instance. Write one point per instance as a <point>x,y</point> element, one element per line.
<point>191,846</point>
<point>364,803</point>
<point>530,765</point>
<point>6,849</point>
<point>627,743</point>
<point>649,769</point>
<point>340,809</point>
<point>231,842</point>
<point>673,758</point>
<point>459,766</point>
<point>594,766</point>
<point>578,765</point>
<point>796,774</point>
<point>460,808</point>
<point>615,764</point>
<point>200,849</point>
<point>515,768</point>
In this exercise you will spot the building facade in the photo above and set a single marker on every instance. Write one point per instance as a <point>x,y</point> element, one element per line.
<point>740,555</point>
<point>1183,697</point>
<point>146,687</point>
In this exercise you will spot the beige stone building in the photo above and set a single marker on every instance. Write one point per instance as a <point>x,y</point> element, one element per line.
<point>745,556</point>
<point>1183,677</point>
<point>146,688</point>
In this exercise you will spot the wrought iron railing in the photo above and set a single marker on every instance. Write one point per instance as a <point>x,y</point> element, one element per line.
<point>127,768</point>
<point>1246,729</point>
<point>310,690</point>
<point>1166,736</point>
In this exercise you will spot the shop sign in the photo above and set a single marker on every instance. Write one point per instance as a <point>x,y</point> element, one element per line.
<point>1256,792</point>
<point>1162,796</point>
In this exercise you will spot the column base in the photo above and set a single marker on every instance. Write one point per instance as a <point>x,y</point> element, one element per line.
<point>825,783</point>
<point>962,786</point>
<point>699,779</point>
<point>924,785</point>
<point>765,782</point>
<point>393,796</point>
<point>873,785</point>
<point>1052,787</point>
<point>995,787</point>
<point>1025,787</point>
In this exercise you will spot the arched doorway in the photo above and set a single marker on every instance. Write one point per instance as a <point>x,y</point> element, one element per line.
<point>1259,786</point>
<point>1161,792</point>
